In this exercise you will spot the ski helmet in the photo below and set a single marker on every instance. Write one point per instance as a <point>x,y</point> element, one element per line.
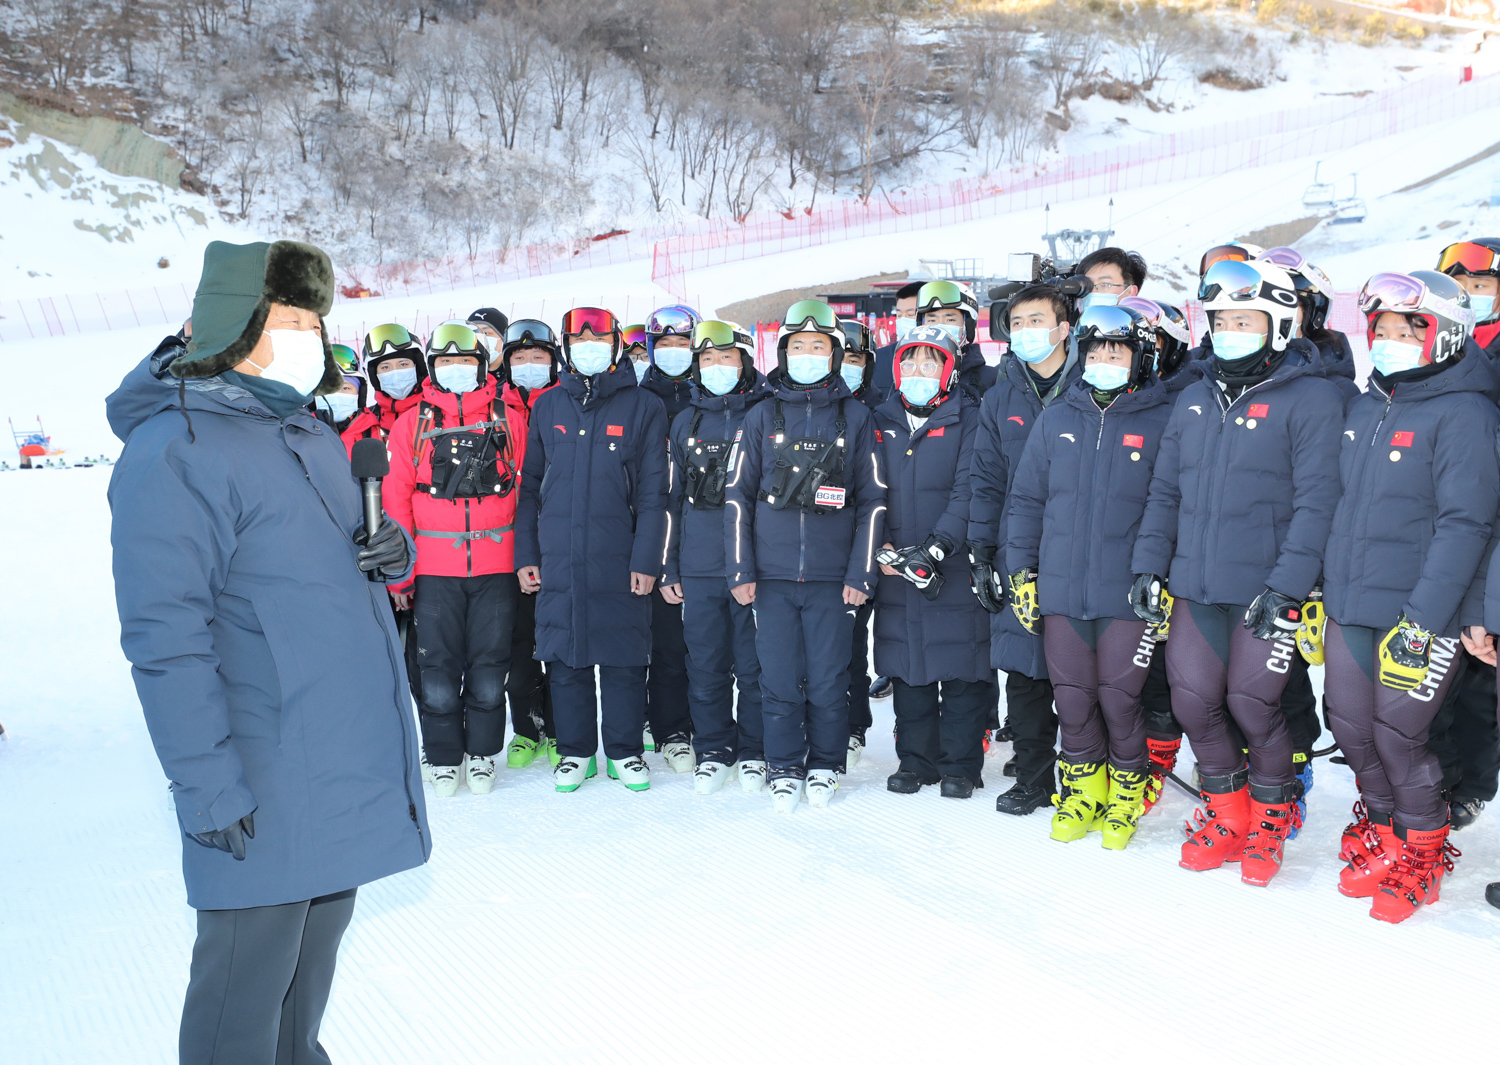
<point>454,337</point>
<point>1119,324</point>
<point>949,295</point>
<point>1435,298</point>
<point>1235,251</point>
<point>1479,257</point>
<point>596,320</point>
<point>1262,286</point>
<point>928,336</point>
<point>391,341</point>
<point>1314,290</point>
<point>1171,329</point>
<point>810,316</point>
<point>677,320</point>
<point>529,333</point>
<point>857,337</point>
<point>714,333</point>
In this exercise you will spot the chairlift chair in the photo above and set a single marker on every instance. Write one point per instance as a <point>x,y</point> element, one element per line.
<point>1320,195</point>
<point>1350,209</point>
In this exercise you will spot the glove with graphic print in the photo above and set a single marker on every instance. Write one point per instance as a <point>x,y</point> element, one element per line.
<point>1024,602</point>
<point>1404,656</point>
<point>1310,632</point>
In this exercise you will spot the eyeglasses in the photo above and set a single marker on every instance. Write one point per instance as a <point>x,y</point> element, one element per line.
<point>936,294</point>
<point>1222,253</point>
<point>929,367</point>
<point>678,321</point>
<point>816,311</point>
<point>392,335</point>
<point>634,334</point>
<point>344,356</point>
<point>595,319</point>
<point>525,331</point>
<point>1470,257</point>
<point>1108,286</point>
<point>450,338</point>
<point>1111,323</point>
<point>1233,279</point>
<point>715,334</point>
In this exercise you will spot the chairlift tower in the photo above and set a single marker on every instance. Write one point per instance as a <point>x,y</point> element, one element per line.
<point>1067,246</point>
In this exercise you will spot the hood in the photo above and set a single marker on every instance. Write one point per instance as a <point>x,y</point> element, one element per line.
<point>1186,374</point>
<point>666,387</point>
<point>971,360</point>
<point>1472,373</point>
<point>1338,356</point>
<point>602,385</point>
<point>1016,373</point>
<point>1081,395</point>
<point>758,391</point>
<point>948,412</point>
<point>827,395</point>
<point>479,399</point>
<point>150,388</point>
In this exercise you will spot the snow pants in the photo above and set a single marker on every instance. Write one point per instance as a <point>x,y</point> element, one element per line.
<point>1383,732</point>
<point>464,637</point>
<point>527,689</point>
<point>1030,714</point>
<point>860,719</point>
<point>722,657</point>
<point>259,982</point>
<point>617,707</point>
<point>1218,673</point>
<point>1464,735</point>
<point>1098,668</point>
<point>940,728</point>
<point>802,634</point>
<point>667,676</point>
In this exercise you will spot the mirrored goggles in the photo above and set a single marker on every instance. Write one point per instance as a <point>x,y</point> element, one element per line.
<point>1233,279</point>
<point>818,312</point>
<point>595,319</point>
<point>633,335</point>
<point>344,356</point>
<point>937,294</point>
<point>675,320</point>
<point>715,334</point>
<point>525,331</point>
<point>1222,253</point>
<point>389,337</point>
<point>1469,257</point>
<point>450,338</point>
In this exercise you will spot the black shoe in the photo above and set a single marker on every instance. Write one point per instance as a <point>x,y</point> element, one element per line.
<point>1492,895</point>
<point>1464,812</point>
<point>1005,734</point>
<point>881,688</point>
<point>904,783</point>
<point>1009,768</point>
<point>1025,798</point>
<point>957,787</point>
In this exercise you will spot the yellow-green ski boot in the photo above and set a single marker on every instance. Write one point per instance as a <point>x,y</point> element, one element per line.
<point>1080,803</point>
<point>1127,801</point>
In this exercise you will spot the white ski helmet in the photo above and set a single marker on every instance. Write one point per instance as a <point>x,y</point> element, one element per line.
<point>1253,286</point>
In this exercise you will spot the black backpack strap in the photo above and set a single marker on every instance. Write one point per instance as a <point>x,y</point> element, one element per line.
<point>778,422</point>
<point>693,425</point>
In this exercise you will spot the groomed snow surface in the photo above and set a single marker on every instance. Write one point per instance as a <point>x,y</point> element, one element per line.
<point>607,926</point>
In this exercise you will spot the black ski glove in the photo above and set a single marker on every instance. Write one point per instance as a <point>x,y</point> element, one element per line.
<point>1273,616</point>
<point>231,839</point>
<point>383,556</point>
<point>1148,598</point>
<point>919,564</point>
<point>987,585</point>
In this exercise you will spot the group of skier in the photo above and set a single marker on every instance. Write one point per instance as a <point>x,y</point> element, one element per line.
<point>1148,536</point>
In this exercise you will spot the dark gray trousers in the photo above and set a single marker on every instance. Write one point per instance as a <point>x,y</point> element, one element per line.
<point>260,981</point>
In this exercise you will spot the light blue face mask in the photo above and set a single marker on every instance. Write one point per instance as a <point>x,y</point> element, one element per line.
<point>1032,345</point>
<point>674,362</point>
<point>457,377</point>
<point>954,331</point>
<point>1392,356</point>
<point>397,384</point>
<point>719,380</point>
<point>1098,299</point>
<point>1484,308</point>
<point>341,405</point>
<point>641,368</point>
<point>1106,376</point>
<point>592,356</point>
<point>919,391</point>
<point>854,377</point>
<point>530,375</point>
<point>904,326</point>
<point>1237,345</point>
<point>807,369</point>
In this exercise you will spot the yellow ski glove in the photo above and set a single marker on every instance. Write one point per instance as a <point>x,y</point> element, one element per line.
<point>1404,656</point>
<point>1309,635</point>
<point>1158,632</point>
<point>1024,602</point>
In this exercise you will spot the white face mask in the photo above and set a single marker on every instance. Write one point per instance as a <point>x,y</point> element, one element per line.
<point>590,356</point>
<point>342,405</point>
<point>457,377</point>
<point>398,383</point>
<point>296,359</point>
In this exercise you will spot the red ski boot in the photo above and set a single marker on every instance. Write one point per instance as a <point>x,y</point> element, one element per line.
<point>1416,876</point>
<point>1353,840</point>
<point>1373,861</point>
<point>1163,755</point>
<point>1217,833</point>
<point>1271,815</point>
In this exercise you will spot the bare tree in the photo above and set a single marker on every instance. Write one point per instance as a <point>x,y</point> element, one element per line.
<point>383,24</point>
<point>1070,53</point>
<point>296,109</point>
<point>244,155</point>
<point>1154,35</point>
<point>337,36</point>
<point>647,158</point>
<point>503,51</point>
<point>880,79</point>
<point>65,36</point>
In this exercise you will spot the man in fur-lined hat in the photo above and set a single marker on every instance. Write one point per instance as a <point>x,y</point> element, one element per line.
<point>254,613</point>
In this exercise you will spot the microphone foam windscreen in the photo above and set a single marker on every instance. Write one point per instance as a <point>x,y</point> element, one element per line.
<point>369,458</point>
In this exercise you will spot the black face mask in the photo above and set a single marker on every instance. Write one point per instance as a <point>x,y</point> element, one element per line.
<point>1250,369</point>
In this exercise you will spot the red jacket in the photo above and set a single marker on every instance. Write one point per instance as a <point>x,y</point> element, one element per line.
<point>517,407</point>
<point>378,418</point>
<point>417,511</point>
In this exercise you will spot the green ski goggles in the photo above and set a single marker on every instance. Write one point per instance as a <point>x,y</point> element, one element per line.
<point>936,294</point>
<point>453,339</point>
<point>715,334</point>
<point>819,313</point>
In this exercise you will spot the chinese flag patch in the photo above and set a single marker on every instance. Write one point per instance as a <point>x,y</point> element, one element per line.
<point>879,437</point>
<point>1259,410</point>
<point>614,430</point>
<point>937,432</point>
<point>1131,440</point>
<point>1401,440</point>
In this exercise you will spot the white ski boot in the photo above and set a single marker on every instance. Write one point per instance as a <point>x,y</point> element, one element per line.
<point>572,772</point>
<point>679,754</point>
<point>786,793</point>
<point>821,784</point>
<point>856,749</point>
<point>632,772</point>
<point>479,774</point>
<point>711,776</point>
<point>648,740</point>
<point>426,770</point>
<point>444,780</point>
<point>753,776</point>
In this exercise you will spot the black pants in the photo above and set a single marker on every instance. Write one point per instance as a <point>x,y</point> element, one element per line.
<point>464,635</point>
<point>526,688</point>
<point>667,677</point>
<point>1029,711</point>
<point>1097,669</point>
<point>617,708</point>
<point>1219,672</point>
<point>721,657</point>
<point>406,625</point>
<point>940,728</point>
<point>1464,735</point>
<point>1382,731</point>
<point>1156,699</point>
<point>859,672</point>
<point>802,634</point>
<point>1299,705</point>
<point>259,983</point>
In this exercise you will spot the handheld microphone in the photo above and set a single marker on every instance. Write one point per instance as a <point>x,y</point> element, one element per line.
<point>369,463</point>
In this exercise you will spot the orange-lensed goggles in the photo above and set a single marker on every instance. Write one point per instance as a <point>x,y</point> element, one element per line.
<point>1469,257</point>
<point>595,319</point>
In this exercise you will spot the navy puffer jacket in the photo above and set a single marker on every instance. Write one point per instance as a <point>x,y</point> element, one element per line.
<point>1338,364</point>
<point>1079,496</point>
<point>592,512</point>
<point>1420,487</point>
<point>1243,492</point>
<point>926,472</point>
<point>676,395</point>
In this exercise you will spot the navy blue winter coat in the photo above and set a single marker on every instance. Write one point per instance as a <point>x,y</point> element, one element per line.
<point>695,536</point>
<point>1338,364</point>
<point>1078,498</point>
<point>1420,486</point>
<point>268,666</point>
<point>675,395</point>
<point>1005,421</point>
<point>789,545</point>
<point>883,382</point>
<point>592,512</point>
<point>1243,492</point>
<point>926,472</point>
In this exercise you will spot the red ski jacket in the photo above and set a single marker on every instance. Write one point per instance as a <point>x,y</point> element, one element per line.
<point>379,418</point>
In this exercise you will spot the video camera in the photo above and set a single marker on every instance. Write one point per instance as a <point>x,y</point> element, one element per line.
<point>1023,270</point>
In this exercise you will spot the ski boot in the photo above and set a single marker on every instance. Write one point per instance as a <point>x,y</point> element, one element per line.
<point>1163,755</point>
<point>479,773</point>
<point>1464,812</point>
<point>1217,832</point>
<point>1127,790</point>
<point>711,775</point>
<point>1371,858</point>
<point>1302,765</point>
<point>647,740</point>
<point>1024,799</point>
<point>1356,832</point>
<point>752,775</point>
<point>572,772</point>
<point>445,780</point>
<point>521,752</point>
<point>632,772</point>
<point>821,786</point>
<point>550,746</point>
<point>786,793</point>
<point>1417,875</point>
<point>855,749</point>
<point>1080,801</point>
<point>1272,818</point>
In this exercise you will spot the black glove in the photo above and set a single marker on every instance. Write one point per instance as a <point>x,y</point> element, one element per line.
<point>231,839</point>
<point>986,583</point>
<point>1273,616</point>
<point>383,556</point>
<point>919,565</point>
<point>1148,598</point>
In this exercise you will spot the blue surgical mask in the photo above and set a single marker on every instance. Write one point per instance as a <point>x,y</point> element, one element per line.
<point>807,369</point>
<point>591,356</point>
<point>1098,299</point>
<point>904,326</point>
<point>530,375</point>
<point>1392,356</point>
<point>1106,376</point>
<point>1237,345</point>
<point>674,362</point>
<point>1484,308</point>
<point>458,377</point>
<point>1032,345</point>
<point>397,384</point>
<point>341,405</point>
<point>641,368</point>
<point>719,380</point>
<point>854,377</point>
<point>919,391</point>
<point>954,331</point>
